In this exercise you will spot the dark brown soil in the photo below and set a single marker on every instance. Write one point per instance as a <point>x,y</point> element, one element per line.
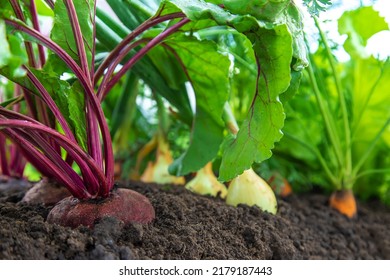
<point>188,226</point>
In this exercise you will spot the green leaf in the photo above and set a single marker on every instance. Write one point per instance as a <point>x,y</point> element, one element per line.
<point>133,12</point>
<point>262,127</point>
<point>294,21</point>
<point>77,118</point>
<point>266,15</point>
<point>273,44</point>
<point>107,18</point>
<point>316,6</point>
<point>43,9</point>
<point>208,74</point>
<point>62,32</point>
<point>371,104</point>
<point>360,25</point>
<point>269,10</point>
<point>6,10</point>
<point>166,64</point>
<point>70,101</point>
<point>5,52</point>
<point>292,90</point>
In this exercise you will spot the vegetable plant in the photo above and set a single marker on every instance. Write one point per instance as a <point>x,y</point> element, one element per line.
<point>66,127</point>
<point>273,33</point>
<point>342,134</point>
<point>74,130</point>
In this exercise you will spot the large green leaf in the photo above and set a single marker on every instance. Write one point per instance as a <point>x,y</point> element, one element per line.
<point>207,71</point>
<point>262,127</point>
<point>62,32</point>
<point>166,64</point>
<point>273,46</point>
<point>70,101</point>
<point>360,25</point>
<point>261,14</point>
<point>269,10</point>
<point>369,89</point>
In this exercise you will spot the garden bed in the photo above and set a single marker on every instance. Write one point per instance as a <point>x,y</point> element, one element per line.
<point>188,226</point>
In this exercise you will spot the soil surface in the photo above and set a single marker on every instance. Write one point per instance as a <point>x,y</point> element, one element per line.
<point>189,226</point>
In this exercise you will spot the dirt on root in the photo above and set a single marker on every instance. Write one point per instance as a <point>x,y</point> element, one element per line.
<point>189,226</point>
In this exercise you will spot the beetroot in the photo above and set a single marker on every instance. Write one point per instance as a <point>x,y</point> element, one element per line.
<point>10,185</point>
<point>47,192</point>
<point>123,204</point>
